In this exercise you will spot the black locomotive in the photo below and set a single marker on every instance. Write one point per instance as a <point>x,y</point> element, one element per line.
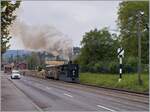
<point>66,72</point>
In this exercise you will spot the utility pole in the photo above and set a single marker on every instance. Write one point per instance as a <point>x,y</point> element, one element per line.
<point>139,46</point>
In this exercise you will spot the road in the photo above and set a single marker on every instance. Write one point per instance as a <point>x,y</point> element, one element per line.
<point>35,94</point>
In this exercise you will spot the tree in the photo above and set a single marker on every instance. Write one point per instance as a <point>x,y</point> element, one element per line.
<point>98,49</point>
<point>11,59</point>
<point>128,21</point>
<point>7,17</point>
<point>33,61</point>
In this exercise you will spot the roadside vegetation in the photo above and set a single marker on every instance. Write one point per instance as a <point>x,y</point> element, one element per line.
<point>128,82</point>
<point>99,46</point>
<point>98,57</point>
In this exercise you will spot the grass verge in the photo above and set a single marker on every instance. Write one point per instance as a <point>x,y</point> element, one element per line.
<point>128,82</point>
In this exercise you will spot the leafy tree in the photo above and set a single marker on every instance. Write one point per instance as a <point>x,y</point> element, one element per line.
<point>7,16</point>
<point>128,22</point>
<point>98,47</point>
<point>11,59</point>
<point>33,61</point>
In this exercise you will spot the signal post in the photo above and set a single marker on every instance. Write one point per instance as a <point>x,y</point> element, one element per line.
<point>120,53</point>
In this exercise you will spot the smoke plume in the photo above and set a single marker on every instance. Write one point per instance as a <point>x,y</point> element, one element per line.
<point>42,37</point>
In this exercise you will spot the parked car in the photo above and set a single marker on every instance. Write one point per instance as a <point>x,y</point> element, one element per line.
<point>15,74</point>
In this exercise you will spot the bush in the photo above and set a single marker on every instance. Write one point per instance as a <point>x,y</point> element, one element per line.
<point>145,68</point>
<point>132,61</point>
<point>130,65</point>
<point>83,68</point>
<point>113,67</point>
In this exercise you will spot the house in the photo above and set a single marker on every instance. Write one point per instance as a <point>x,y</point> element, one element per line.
<point>8,68</point>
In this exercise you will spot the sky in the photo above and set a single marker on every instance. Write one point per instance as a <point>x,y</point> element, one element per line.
<point>72,18</point>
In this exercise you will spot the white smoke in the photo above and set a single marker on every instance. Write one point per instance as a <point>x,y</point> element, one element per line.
<point>42,37</point>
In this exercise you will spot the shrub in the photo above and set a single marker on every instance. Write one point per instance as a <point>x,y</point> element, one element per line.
<point>113,67</point>
<point>130,64</point>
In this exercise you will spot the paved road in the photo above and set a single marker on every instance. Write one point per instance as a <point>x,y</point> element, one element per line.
<point>36,94</point>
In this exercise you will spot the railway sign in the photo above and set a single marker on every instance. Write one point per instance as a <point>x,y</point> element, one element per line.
<point>120,52</point>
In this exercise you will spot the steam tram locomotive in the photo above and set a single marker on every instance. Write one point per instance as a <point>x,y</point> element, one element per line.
<point>66,72</point>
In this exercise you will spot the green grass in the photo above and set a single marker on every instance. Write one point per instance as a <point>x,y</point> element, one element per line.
<point>128,82</point>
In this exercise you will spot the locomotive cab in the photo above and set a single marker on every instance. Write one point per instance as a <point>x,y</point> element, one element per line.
<point>69,72</point>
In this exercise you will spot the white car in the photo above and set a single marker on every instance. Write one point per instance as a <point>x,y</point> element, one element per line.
<point>15,74</point>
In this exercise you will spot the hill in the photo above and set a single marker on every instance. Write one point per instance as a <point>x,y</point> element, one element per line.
<point>14,53</point>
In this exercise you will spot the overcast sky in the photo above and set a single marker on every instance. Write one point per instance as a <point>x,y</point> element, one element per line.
<point>72,18</point>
